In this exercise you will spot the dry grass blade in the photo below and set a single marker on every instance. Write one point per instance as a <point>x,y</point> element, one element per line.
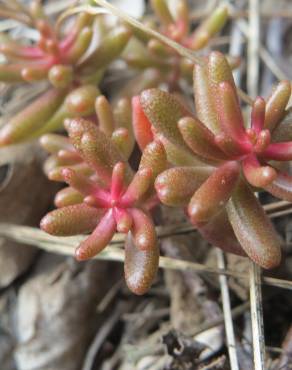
<point>227,313</point>
<point>114,252</point>
<point>263,53</point>
<point>276,206</point>
<point>13,153</point>
<point>256,309</point>
<point>253,48</point>
<point>165,40</point>
<point>135,23</point>
<point>253,64</point>
<point>235,312</point>
<point>78,9</point>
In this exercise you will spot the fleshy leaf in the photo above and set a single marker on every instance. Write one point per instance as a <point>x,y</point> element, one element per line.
<point>105,115</point>
<point>60,76</point>
<point>80,45</point>
<point>283,132</point>
<point>117,184</point>
<point>23,124</point>
<point>143,230</point>
<point>213,194</point>
<point>123,219</point>
<point>69,157</point>
<point>177,155</point>
<point>110,48</point>
<point>258,114</point>
<point>67,197</point>
<point>230,117</point>
<point>200,139</point>
<point>257,175</point>
<point>176,186</point>
<point>81,101</point>
<point>140,267</point>
<point>138,187</point>
<point>141,124</point>
<point>208,28</point>
<point>161,10</point>
<point>276,104</point>
<point>83,184</point>
<point>52,143</point>
<point>55,123</point>
<point>279,151</point>
<point>11,73</point>
<point>219,232</point>
<point>71,220</point>
<point>164,111</point>
<point>229,146</point>
<point>123,118</point>
<point>94,146</point>
<point>154,157</point>
<point>122,141</point>
<point>252,228</point>
<point>99,238</point>
<point>219,71</point>
<point>56,173</point>
<point>204,101</point>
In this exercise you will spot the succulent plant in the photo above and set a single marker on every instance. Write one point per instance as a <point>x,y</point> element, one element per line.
<point>107,198</point>
<point>115,122</point>
<point>72,59</point>
<point>238,160</point>
<point>174,22</point>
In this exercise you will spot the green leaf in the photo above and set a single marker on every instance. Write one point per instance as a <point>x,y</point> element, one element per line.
<point>67,197</point>
<point>108,50</point>
<point>200,139</point>
<point>164,111</point>
<point>99,238</point>
<point>213,194</point>
<point>219,232</point>
<point>176,186</point>
<point>30,119</point>
<point>253,228</point>
<point>71,220</point>
<point>276,104</point>
<point>154,157</point>
<point>140,267</point>
<point>143,230</point>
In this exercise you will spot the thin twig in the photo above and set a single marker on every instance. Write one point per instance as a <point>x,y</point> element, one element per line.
<point>102,334</point>
<point>109,296</point>
<point>254,270</point>
<point>235,312</point>
<point>256,309</point>
<point>253,48</point>
<point>227,313</point>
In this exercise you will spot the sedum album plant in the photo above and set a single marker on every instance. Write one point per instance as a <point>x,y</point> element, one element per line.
<point>172,20</point>
<point>115,122</point>
<point>71,57</point>
<point>240,158</point>
<point>212,162</point>
<point>105,195</point>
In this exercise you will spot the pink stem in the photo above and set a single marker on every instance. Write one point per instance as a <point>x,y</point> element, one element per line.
<point>117,180</point>
<point>258,114</point>
<point>279,151</point>
<point>99,239</point>
<point>123,219</point>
